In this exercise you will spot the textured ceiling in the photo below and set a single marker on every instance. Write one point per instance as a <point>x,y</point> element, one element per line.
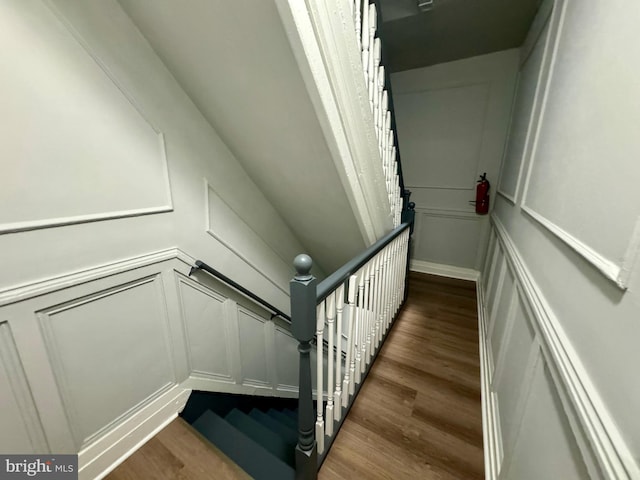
<point>451,30</point>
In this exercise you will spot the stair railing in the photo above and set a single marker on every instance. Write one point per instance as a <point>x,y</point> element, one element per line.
<point>365,18</point>
<point>354,308</point>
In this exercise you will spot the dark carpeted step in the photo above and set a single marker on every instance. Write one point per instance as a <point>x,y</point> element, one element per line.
<point>252,457</point>
<point>289,434</point>
<point>293,414</point>
<point>281,417</point>
<point>263,435</point>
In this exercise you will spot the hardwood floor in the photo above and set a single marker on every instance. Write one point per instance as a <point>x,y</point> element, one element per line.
<point>418,414</point>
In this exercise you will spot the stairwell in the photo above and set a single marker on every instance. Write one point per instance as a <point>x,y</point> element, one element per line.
<point>258,433</point>
<point>418,414</point>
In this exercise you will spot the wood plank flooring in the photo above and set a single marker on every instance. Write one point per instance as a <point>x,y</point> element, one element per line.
<point>417,415</point>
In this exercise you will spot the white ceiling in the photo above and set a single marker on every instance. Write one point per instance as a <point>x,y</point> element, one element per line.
<point>234,61</point>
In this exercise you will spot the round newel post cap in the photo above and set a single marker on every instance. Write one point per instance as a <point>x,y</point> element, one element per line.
<point>412,205</point>
<point>303,264</point>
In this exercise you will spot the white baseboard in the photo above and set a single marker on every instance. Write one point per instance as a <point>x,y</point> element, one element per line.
<point>99,459</point>
<point>444,270</point>
<point>491,432</point>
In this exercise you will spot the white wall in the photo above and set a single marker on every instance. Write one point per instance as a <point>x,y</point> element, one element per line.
<point>452,121</point>
<point>561,280</point>
<point>113,183</point>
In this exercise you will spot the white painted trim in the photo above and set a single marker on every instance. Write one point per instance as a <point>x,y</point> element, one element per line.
<point>450,213</point>
<point>608,268</point>
<point>101,457</point>
<point>352,143</point>
<point>40,287</point>
<point>607,445</point>
<point>490,420</point>
<point>207,383</point>
<point>444,270</point>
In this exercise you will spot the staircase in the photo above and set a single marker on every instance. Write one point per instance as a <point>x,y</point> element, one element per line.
<point>258,434</point>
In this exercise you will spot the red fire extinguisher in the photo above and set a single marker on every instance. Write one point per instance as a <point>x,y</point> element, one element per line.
<point>482,195</point>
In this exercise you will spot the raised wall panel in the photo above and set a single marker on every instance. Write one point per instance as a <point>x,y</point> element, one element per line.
<point>208,341</point>
<point>582,179</point>
<point>110,353</point>
<point>75,148</point>
<point>430,126</point>
<point>545,447</point>
<point>224,224</point>
<point>501,312</point>
<point>253,350</point>
<point>286,350</point>
<point>521,117</point>
<point>495,280</point>
<point>19,421</point>
<point>446,238</point>
<point>511,369</point>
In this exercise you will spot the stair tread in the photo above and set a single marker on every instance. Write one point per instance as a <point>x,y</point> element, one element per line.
<point>289,434</point>
<point>291,423</point>
<point>291,414</point>
<point>262,435</point>
<point>246,452</point>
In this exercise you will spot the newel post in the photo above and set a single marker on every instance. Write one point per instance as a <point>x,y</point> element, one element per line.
<point>303,327</point>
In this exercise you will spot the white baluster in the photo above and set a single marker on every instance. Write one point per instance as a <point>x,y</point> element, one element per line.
<point>388,287</point>
<point>365,66</point>
<point>350,367</point>
<point>373,20</point>
<point>366,351</point>
<point>359,328</point>
<point>319,379</point>
<point>378,275</point>
<point>355,5</point>
<point>372,311</point>
<point>331,316</point>
<point>364,35</point>
<point>337,396</point>
<point>364,320</point>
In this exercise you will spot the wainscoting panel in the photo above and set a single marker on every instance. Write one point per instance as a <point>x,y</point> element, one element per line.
<point>88,360</point>
<point>517,354</point>
<point>542,416</point>
<point>502,313</point>
<point>546,446</point>
<point>92,130</point>
<point>207,339</point>
<point>286,349</point>
<point>253,350</point>
<point>18,414</point>
<point>447,237</point>
<point>110,353</point>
